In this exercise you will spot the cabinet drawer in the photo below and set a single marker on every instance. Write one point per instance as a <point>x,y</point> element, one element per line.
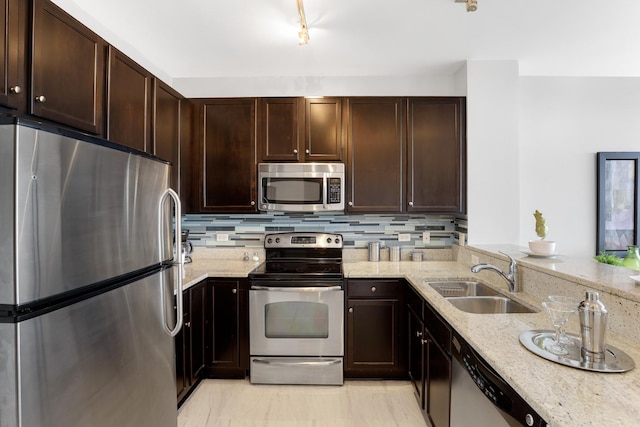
<point>438,328</point>
<point>373,288</point>
<point>415,302</point>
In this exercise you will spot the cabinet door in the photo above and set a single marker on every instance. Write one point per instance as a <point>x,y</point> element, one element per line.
<point>225,347</point>
<point>375,155</point>
<point>436,150</point>
<point>196,328</point>
<point>228,155</point>
<point>128,102</point>
<point>13,45</point>
<point>67,70</point>
<point>166,128</point>
<point>280,122</point>
<point>417,355</point>
<point>323,129</point>
<point>439,386</point>
<point>372,338</point>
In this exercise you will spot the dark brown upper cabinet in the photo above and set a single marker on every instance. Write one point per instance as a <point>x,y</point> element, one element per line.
<point>129,110</point>
<point>280,125</point>
<point>375,154</point>
<point>301,130</point>
<point>436,153</point>
<point>323,129</point>
<point>67,70</point>
<point>13,46</point>
<point>167,127</point>
<point>227,155</point>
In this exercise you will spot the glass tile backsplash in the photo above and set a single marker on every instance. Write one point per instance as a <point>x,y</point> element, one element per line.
<point>220,230</point>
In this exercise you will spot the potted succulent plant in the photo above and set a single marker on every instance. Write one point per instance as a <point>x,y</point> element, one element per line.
<point>541,246</point>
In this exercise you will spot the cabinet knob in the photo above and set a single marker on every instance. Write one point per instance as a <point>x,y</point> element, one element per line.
<point>350,203</point>
<point>350,309</point>
<point>373,289</point>
<point>234,291</point>
<point>306,151</point>
<point>15,89</point>
<point>295,151</point>
<point>41,99</point>
<point>418,334</point>
<point>253,203</point>
<point>425,342</point>
<point>187,324</point>
<point>411,204</point>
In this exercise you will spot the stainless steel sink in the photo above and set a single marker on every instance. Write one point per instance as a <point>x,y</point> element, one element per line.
<point>475,297</point>
<point>489,305</point>
<point>461,288</point>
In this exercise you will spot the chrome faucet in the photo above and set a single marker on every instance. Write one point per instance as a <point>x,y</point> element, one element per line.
<point>511,278</point>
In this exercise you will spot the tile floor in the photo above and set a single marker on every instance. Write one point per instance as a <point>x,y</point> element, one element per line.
<point>232,403</point>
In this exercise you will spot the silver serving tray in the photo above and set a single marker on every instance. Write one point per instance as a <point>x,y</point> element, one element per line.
<point>615,360</point>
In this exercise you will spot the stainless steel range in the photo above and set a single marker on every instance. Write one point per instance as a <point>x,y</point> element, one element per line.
<point>296,310</point>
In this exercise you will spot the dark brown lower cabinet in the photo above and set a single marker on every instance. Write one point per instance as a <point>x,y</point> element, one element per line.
<point>375,346</point>
<point>229,332</point>
<point>417,351</point>
<point>190,342</point>
<point>429,360</point>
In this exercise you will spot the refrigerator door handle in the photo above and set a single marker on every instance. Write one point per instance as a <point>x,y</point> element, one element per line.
<point>177,261</point>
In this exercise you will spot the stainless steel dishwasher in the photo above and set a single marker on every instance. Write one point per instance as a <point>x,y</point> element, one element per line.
<point>480,397</point>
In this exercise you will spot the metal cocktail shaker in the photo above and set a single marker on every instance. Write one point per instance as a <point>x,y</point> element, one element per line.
<point>593,326</point>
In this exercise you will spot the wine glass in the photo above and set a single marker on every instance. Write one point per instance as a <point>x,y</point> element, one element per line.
<point>559,314</point>
<point>571,302</point>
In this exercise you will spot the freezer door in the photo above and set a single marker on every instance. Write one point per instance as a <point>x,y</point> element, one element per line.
<point>84,213</point>
<point>104,362</point>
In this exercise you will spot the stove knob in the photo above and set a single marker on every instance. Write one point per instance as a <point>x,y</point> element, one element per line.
<point>277,240</point>
<point>337,240</point>
<point>328,239</point>
<point>269,240</point>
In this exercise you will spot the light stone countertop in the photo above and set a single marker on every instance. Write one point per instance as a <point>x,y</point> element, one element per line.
<point>563,396</point>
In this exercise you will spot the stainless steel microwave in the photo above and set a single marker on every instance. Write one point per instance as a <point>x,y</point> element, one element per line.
<point>301,187</point>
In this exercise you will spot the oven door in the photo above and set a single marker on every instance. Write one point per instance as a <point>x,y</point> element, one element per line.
<point>296,321</point>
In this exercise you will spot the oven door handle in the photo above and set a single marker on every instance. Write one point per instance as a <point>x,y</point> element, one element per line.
<point>300,289</point>
<point>298,362</point>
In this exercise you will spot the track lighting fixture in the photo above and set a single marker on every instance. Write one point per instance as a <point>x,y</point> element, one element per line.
<point>303,34</point>
<point>472,5</point>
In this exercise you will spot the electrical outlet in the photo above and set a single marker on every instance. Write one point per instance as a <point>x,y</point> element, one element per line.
<point>475,259</point>
<point>222,237</point>
<point>404,237</point>
<point>426,237</point>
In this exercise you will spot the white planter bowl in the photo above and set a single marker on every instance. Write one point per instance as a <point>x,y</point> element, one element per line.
<point>542,247</point>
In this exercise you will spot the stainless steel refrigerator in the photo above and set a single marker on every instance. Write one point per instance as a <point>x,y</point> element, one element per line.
<point>87,282</point>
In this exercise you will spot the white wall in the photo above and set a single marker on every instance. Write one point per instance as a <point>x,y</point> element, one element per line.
<point>563,122</point>
<point>492,152</point>
<point>432,85</point>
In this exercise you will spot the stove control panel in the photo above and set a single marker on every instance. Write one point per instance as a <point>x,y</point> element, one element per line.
<point>303,240</point>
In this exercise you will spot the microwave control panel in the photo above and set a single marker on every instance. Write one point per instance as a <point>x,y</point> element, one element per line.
<point>334,190</point>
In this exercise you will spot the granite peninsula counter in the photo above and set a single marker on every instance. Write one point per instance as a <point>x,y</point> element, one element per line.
<point>563,396</point>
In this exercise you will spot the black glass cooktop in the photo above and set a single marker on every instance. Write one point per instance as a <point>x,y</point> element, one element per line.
<point>330,269</point>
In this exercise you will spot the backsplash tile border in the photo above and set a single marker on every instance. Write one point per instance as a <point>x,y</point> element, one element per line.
<point>248,230</point>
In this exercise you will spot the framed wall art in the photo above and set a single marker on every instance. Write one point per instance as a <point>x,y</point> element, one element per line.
<point>617,215</point>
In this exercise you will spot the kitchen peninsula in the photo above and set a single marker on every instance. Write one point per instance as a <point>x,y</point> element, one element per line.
<point>563,396</point>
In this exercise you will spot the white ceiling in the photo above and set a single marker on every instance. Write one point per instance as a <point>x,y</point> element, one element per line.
<point>258,38</point>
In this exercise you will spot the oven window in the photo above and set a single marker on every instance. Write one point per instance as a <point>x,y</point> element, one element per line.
<point>292,190</point>
<point>296,319</point>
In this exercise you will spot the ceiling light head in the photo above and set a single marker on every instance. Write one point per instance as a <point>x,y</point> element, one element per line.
<point>303,37</point>
<point>472,5</point>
